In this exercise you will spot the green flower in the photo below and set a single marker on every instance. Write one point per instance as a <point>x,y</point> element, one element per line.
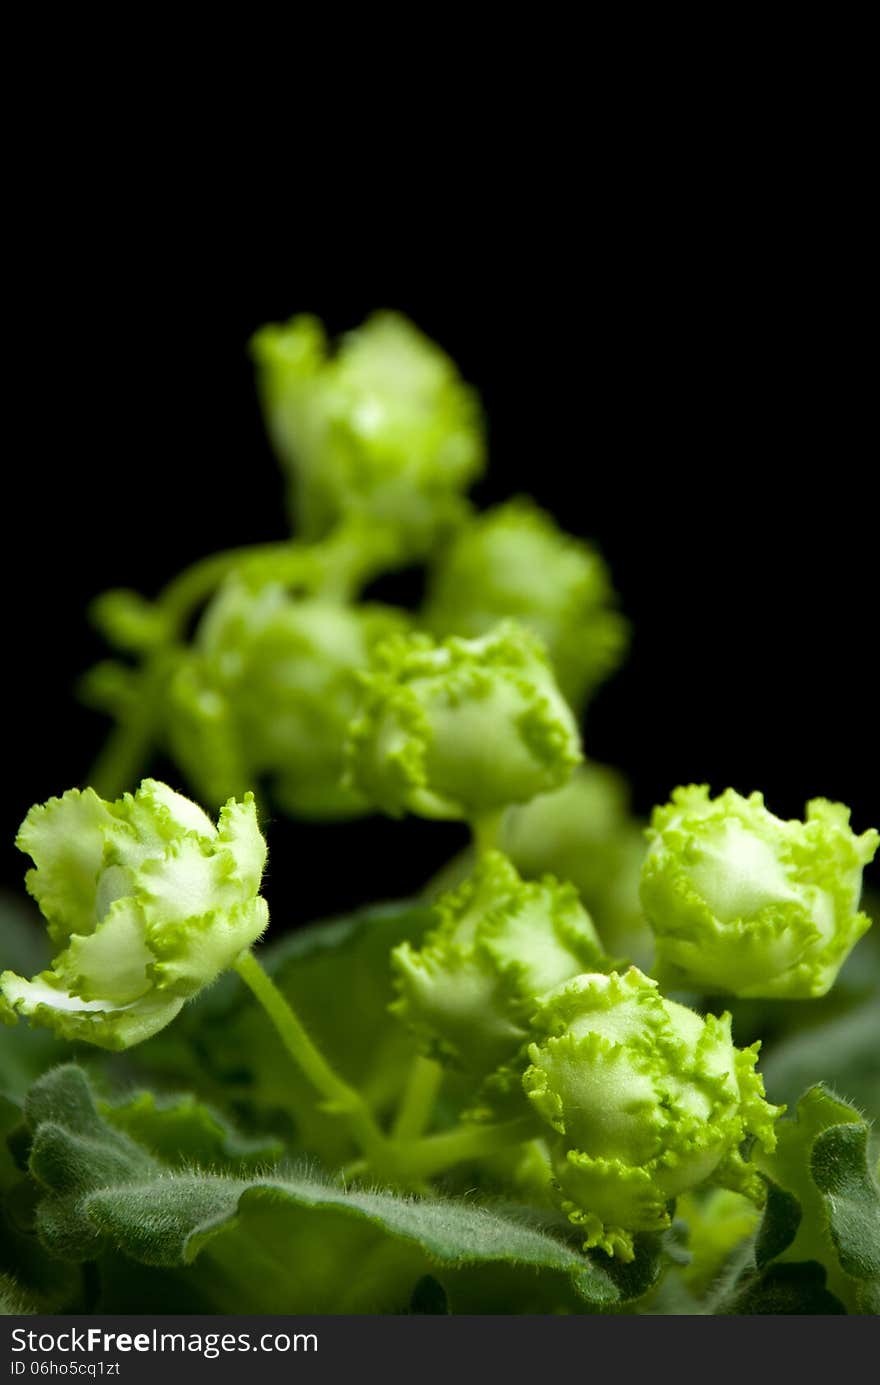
<point>514,561</point>
<point>743,902</point>
<point>583,832</point>
<point>647,1100</point>
<point>269,689</point>
<point>459,729</point>
<point>499,944</point>
<point>146,901</point>
<point>385,428</point>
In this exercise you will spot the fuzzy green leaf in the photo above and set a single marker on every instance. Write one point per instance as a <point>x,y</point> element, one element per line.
<point>31,1280</point>
<point>182,1130</point>
<point>13,1300</point>
<point>792,1290</point>
<point>819,1241</point>
<point>840,1169</point>
<point>329,1248</point>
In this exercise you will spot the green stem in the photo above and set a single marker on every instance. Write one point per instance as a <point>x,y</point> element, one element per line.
<point>424,1158</point>
<point>126,751</point>
<point>339,1097</point>
<point>450,875</point>
<point>334,567</point>
<point>418,1101</point>
<point>287,562</point>
<point>486,830</point>
<point>122,758</point>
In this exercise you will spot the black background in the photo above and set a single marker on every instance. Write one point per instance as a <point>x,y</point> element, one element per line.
<point>695,397</point>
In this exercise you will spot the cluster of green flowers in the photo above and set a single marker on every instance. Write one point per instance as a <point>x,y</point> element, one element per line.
<point>380,441</point>
<point>527,983</point>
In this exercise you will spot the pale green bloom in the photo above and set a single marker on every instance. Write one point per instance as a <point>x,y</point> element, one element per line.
<point>583,832</point>
<point>383,428</point>
<point>268,689</point>
<point>513,561</point>
<point>146,900</point>
<point>499,943</point>
<point>743,902</point>
<point>459,729</point>
<point>647,1100</point>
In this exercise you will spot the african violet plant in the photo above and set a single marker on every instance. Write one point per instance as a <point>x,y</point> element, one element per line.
<point>518,1092</point>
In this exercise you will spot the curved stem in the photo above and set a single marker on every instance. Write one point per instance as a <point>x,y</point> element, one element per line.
<point>486,830</point>
<point>450,875</point>
<point>287,562</point>
<point>423,1158</point>
<point>334,567</point>
<point>419,1097</point>
<point>339,1097</point>
<point>122,758</point>
<point>415,1161</point>
<point>126,751</point>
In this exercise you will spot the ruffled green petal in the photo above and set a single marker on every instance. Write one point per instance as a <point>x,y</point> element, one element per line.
<point>114,962</point>
<point>193,951</point>
<point>609,1201</point>
<point>513,562</point>
<point>46,1003</point>
<point>453,1002</point>
<point>172,812</point>
<point>152,900</point>
<point>498,944</point>
<point>741,901</point>
<point>238,833</point>
<point>66,839</point>
<point>462,728</point>
<point>646,1100</point>
<point>187,882</point>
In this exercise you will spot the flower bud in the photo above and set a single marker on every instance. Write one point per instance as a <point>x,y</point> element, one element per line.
<point>513,561</point>
<point>384,429</point>
<point>745,903</point>
<point>499,944</point>
<point>647,1100</point>
<point>583,832</point>
<point>269,688</point>
<point>146,901</point>
<point>462,728</point>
